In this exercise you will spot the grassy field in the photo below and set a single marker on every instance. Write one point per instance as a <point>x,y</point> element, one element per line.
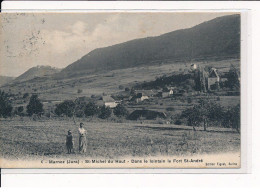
<point>24,138</point>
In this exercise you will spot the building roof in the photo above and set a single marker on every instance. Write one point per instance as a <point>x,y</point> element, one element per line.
<point>213,73</point>
<point>145,92</point>
<point>108,99</point>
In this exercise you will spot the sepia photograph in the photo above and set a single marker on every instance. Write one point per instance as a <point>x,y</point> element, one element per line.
<point>120,90</point>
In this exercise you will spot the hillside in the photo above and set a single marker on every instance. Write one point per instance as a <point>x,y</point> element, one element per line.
<point>5,79</point>
<point>218,38</point>
<point>38,71</point>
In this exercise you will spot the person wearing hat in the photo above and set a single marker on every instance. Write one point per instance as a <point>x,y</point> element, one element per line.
<point>82,139</point>
<point>69,142</point>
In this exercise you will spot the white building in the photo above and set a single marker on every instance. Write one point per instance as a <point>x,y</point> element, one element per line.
<point>213,78</point>
<point>193,66</point>
<point>107,101</point>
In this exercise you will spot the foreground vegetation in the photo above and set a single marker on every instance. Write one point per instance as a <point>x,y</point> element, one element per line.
<point>24,138</point>
<point>204,111</point>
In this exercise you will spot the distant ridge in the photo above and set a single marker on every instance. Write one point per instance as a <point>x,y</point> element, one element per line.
<point>38,71</point>
<point>218,38</point>
<point>5,79</point>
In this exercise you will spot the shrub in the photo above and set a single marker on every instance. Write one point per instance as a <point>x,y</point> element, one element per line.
<point>20,109</point>
<point>35,106</point>
<point>232,118</point>
<point>67,108</point>
<point>105,112</point>
<point>120,111</point>
<point>211,113</point>
<point>5,105</point>
<point>91,109</point>
<point>79,109</point>
<point>193,116</point>
<point>25,95</point>
<point>178,122</point>
<point>80,91</point>
<point>233,78</point>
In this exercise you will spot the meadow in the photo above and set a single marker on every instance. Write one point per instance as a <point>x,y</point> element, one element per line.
<point>23,138</point>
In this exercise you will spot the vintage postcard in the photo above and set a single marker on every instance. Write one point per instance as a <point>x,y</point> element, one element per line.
<point>120,90</point>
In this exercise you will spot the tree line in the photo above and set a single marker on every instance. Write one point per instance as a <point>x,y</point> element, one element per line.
<point>67,108</point>
<point>208,113</point>
<point>205,113</point>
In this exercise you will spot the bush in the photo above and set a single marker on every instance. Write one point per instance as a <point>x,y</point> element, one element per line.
<point>80,91</point>
<point>91,109</point>
<point>79,109</point>
<point>20,109</point>
<point>193,116</point>
<point>65,108</point>
<point>105,112</point>
<point>35,106</point>
<point>25,95</point>
<point>233,78</point>
<point>211,113</point>
<point>178,122</point>
<point>120,111</point>
<point>5,106</point>
<point>232,118</point>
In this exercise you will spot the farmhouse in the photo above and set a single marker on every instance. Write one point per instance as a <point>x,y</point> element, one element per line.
<point>142,95</point>
<point>193,66</point>
<point>213,78</point>
<point>107,101</point>
<point>166,92</point>
<point>123,95</point>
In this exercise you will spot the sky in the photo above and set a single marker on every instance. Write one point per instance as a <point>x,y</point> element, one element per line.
<point>59,39</point>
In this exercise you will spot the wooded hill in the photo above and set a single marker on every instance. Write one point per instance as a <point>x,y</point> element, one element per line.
<point>217,38</point>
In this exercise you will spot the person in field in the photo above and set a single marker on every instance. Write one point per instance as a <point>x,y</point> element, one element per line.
<point>82,139</point>
<point>69,142</point>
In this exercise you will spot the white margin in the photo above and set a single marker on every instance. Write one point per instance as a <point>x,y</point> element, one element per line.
<point>246,72</point>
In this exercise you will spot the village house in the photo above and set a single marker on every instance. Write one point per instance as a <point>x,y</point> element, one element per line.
<point>193,66</point>
<point>107,101</point>
<point>124,95</point>
<point>213,78</point>
<point>166,92</point>
<point>142,95</point>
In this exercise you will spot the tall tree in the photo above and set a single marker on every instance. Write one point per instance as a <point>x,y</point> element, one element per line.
<point>5,105</point>
<point>66,108</point>
<point>233,78</point>
<point>91,109</point>
<point>35,106</point>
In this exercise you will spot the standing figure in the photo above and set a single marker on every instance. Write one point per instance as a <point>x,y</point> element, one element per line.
<point>69,142</point>
<point>82,139</point>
